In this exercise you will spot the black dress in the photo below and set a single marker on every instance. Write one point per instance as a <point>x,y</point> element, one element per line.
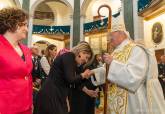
<point>36,68</point>
<point>161,70</point>
<point>52,96</point>
<point>80,102</point>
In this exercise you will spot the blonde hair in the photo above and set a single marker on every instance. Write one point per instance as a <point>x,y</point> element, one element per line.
<point>83,46</point>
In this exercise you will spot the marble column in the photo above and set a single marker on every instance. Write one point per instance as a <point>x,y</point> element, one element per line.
<point>76,22</point>
<point>25,6</point>
<point>71,31</point>
<point>82,19</point>
<point>29,43</point>
<point>138,22</point>
<point>128,16</point>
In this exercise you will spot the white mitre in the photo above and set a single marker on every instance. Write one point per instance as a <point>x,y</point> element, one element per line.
<point>118,24</point>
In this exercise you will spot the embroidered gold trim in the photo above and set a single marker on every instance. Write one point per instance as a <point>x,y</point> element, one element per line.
<point>117,97</point>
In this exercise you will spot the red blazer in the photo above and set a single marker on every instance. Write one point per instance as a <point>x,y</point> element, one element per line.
<point>15,79</point>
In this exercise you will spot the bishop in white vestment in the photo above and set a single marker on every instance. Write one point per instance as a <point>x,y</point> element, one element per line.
<point>134,87</point>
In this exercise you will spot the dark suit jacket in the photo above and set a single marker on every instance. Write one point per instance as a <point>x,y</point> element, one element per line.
<point>161,77</point>
<point>37,71</point>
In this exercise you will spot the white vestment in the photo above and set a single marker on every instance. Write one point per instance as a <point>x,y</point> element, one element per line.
<point>137,89</point>
<point>100,76</point>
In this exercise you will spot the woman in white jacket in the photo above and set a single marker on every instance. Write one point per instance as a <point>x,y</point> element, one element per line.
<point>46,61</point>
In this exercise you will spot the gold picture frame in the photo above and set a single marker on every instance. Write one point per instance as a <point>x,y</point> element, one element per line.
<point>157,33</point>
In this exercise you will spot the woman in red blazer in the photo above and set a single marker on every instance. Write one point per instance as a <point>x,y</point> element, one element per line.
<point>15,63</point>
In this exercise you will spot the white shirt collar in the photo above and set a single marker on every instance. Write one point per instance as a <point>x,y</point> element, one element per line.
<point>125,42</point>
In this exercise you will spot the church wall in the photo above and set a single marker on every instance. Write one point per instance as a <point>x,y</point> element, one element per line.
<point>20,2</point>
<point>60,17</point>
<point>148,32</point>
<point>59,44</point>
<point>32,2</point>
<point>88,15</point>
<point>138,22</point>
<point>81,2</point>
<point>7,3</point>
<point>43,22</point>
<point>63,16</point>
<point>93,6</point>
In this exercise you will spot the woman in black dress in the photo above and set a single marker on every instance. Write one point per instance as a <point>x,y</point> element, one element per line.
<point>82,97</point>
<point>52,96</point>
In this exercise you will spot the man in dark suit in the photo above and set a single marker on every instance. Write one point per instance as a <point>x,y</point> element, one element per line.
<point>36,71</point>
<point>161,70</point>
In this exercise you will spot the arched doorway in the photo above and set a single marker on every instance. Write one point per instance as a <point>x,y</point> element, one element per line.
<point>53,17</point>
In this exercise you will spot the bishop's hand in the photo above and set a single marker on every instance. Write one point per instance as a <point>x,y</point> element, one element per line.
<point>107,58</point>
<point>87,73</point>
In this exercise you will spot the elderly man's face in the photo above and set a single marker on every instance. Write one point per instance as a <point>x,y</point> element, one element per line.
<point>114,39</point>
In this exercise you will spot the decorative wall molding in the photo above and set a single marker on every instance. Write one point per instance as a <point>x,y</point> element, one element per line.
<point>59,30</point>
<point>44,15</point>
<point>65,30</point>
<point>151,9</point>
<point>90,27</point>
<point>142,4</point>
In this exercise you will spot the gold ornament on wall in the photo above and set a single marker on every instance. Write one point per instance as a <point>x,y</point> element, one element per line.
<point>157,33</point>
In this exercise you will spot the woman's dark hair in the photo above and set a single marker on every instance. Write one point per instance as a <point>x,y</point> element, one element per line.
<point>43,52</point>
<point>95,61</point>
<point>11,18</point>
<point>47,53</point>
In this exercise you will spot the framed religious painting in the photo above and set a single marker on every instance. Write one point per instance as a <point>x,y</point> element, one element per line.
<point>157,33</point>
